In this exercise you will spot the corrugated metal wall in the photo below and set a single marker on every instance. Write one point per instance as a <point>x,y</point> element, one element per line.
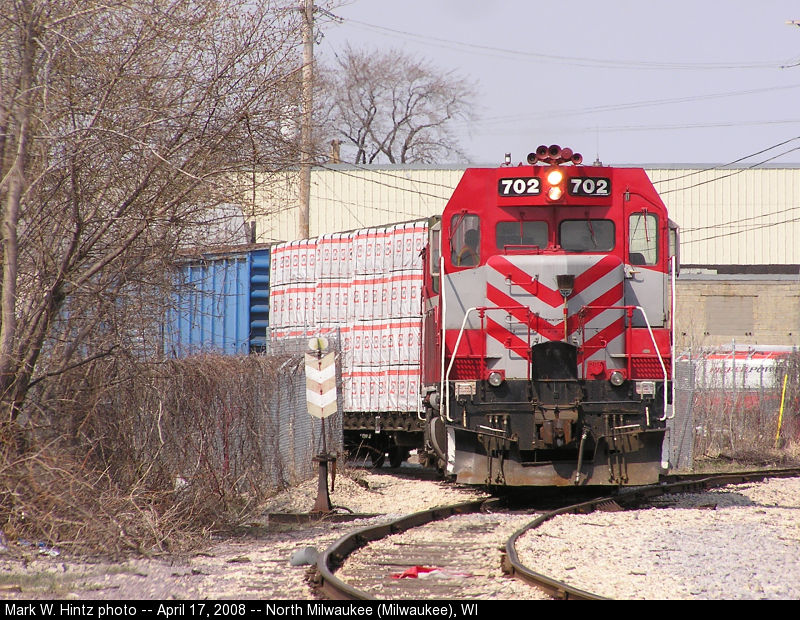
<point>221,304</point>
<point>734,216</point>
<point>345,197</point>
<point>728,216</point>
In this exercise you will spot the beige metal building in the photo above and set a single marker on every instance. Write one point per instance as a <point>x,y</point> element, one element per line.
<point>347,197</point>
<point>740,234</point>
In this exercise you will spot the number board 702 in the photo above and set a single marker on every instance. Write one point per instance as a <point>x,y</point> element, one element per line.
<point>519,186</point>
<point>589,186</point>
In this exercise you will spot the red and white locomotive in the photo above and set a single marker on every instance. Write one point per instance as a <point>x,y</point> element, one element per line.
<point>547,339</point>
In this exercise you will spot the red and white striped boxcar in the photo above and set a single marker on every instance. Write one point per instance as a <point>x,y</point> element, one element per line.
<point>547,340</point>
<point>364,288</point>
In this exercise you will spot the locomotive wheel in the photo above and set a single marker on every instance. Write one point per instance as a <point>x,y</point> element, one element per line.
<point>435,442</point>
<point>437,437</point>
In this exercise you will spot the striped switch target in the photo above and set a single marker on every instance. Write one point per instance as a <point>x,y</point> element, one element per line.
<point>321,385</point>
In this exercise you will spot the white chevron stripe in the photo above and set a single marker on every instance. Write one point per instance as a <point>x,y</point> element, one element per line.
<point>321,385</point>
<point>546,268</point>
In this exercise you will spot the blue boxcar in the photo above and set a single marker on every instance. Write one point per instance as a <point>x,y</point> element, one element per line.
<point>221,304</point>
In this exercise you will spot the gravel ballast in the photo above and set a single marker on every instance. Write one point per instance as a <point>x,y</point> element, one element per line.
<point>735,542</point>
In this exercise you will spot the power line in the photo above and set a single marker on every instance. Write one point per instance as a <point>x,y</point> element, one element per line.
<point>516,118</point>
<point>740,232</point>
<point>451,188</point>
<point>572,60</point>
<point>751,219</point>
<point>733,173</point>
<point>392,176</point>
<point>715,179</point>
<point>687,126</point>
<point>735,161</point>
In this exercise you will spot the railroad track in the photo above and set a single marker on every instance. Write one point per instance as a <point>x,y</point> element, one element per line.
<point>443,548</point>
<point>333,558</point>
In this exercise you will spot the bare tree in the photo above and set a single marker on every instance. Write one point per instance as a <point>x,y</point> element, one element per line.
<point>122,126</point>
<point>389,106</point>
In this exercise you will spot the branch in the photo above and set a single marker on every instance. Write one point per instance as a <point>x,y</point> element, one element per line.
<point>61,371</point>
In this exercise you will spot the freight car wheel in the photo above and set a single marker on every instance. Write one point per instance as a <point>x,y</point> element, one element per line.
<point>397,454</point>
<point>368,449</point>
<point>378,459</point>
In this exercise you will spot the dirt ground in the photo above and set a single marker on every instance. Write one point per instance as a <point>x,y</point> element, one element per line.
<point>253,565</point>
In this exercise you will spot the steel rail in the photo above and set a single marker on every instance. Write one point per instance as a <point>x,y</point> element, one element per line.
<point>512,565</point>
<point>334,556</point>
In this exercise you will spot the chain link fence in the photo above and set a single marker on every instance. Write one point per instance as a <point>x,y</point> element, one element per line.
<point>301,435</point>
<point>734,401</point>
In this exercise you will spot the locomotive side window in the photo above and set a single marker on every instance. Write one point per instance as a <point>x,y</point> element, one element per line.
<point>521,233</point>
<point>587,235</point>
<point>434,242</point>
<point>643,239</point>
<point>465,240</point>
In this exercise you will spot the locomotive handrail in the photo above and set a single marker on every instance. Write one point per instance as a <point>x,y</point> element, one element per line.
<point>444,401</point>
<point>660,360</point>
<point>673,265</point>
<point>446,377</point>
<point>630,310</point>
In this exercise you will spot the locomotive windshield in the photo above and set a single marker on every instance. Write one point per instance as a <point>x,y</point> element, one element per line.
<point>587,235</point>
<point>519,233</point>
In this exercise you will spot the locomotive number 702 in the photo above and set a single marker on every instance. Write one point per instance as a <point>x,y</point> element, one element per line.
<point>520,186</point>
<point>589,186</point>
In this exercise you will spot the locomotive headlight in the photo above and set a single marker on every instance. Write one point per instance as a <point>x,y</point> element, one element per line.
<point>495,379</point>
<point>616,378</point>
<point>555,176</point>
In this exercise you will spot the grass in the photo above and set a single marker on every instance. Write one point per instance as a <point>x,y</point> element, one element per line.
<point>745,460</point>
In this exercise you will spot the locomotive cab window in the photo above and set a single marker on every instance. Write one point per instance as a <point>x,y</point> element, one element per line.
<point>465,240</point>
<point>434,242</point>
<point>642,239</point>
<point>513,234</point>
<point>586,235</point>
<point>674,245</point>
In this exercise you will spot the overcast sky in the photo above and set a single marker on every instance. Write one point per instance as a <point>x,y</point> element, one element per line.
<point>684,81</point>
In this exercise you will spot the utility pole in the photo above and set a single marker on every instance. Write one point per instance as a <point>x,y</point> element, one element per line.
<point>307,9</point>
